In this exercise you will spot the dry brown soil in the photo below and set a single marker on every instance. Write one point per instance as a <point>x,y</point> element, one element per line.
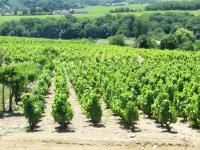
<point>111,134</point>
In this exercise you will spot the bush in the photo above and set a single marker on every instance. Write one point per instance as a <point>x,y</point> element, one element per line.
<point>187,46</point>
<point>185,38</point>
<point>117,40</point>
<point>32,109</point>
<point>61,85</point>
<point>92,106</point>
<point>131,114</point>
<point>169,42</point>
<point>148,100</point>
<point>193,110</point>
<point>180,103</point>
<point>184,35</point>
<point>33,103</point>
<point>61,110</point>
<point>157,103</point>
<point>144,42</point>
<point>164,112</point>
<point>167,114</point>
<point>197,46</point>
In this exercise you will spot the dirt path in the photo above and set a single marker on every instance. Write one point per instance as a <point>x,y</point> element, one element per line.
<point>79,122</point>
<point>181,134</point>
<point>47,123</point>
<point>12,123</point>
<point>109,128</point>
<point>52,145</point>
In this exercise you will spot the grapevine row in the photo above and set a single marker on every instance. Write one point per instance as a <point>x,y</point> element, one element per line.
<point>34,101</point>
<point>61,110</point>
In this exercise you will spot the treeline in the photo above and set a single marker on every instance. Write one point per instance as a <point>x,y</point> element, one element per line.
<point>154,27</point>
<point>141,1</point>
<point>70,27</point>
<point>169,23</point>
<point>122,9</point>
<point>172,31</point>
<point>174,5</point>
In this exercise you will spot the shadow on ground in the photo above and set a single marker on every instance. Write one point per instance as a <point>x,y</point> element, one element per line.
<point>68,129</point>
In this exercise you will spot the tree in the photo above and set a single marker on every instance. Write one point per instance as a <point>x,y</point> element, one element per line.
<point>15,80</point>
<point>1,80</point>
<point>50,28</point>
<point>72,30</point>
<point>185,39</point>
<point>91,30</point>
<point>126,25</point>
<point>169,42</point>
<point>184,35</point>
<point>141,27</point>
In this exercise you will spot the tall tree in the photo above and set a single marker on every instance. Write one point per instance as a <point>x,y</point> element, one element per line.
<point>14,79</point>
<point>3,87</point>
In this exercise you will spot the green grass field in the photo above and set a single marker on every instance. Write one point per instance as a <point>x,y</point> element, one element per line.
<point>9,18</point>
<point>96,11</point>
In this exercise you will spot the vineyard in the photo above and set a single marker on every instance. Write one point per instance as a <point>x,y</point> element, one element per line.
<point>163,86</point>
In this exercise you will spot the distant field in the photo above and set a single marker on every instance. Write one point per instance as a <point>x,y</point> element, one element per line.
<point>8,18</point>
<point>102,10</point>
<point>96,11</point>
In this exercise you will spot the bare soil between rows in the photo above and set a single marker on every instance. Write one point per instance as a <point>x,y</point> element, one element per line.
<point>111,134</point>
